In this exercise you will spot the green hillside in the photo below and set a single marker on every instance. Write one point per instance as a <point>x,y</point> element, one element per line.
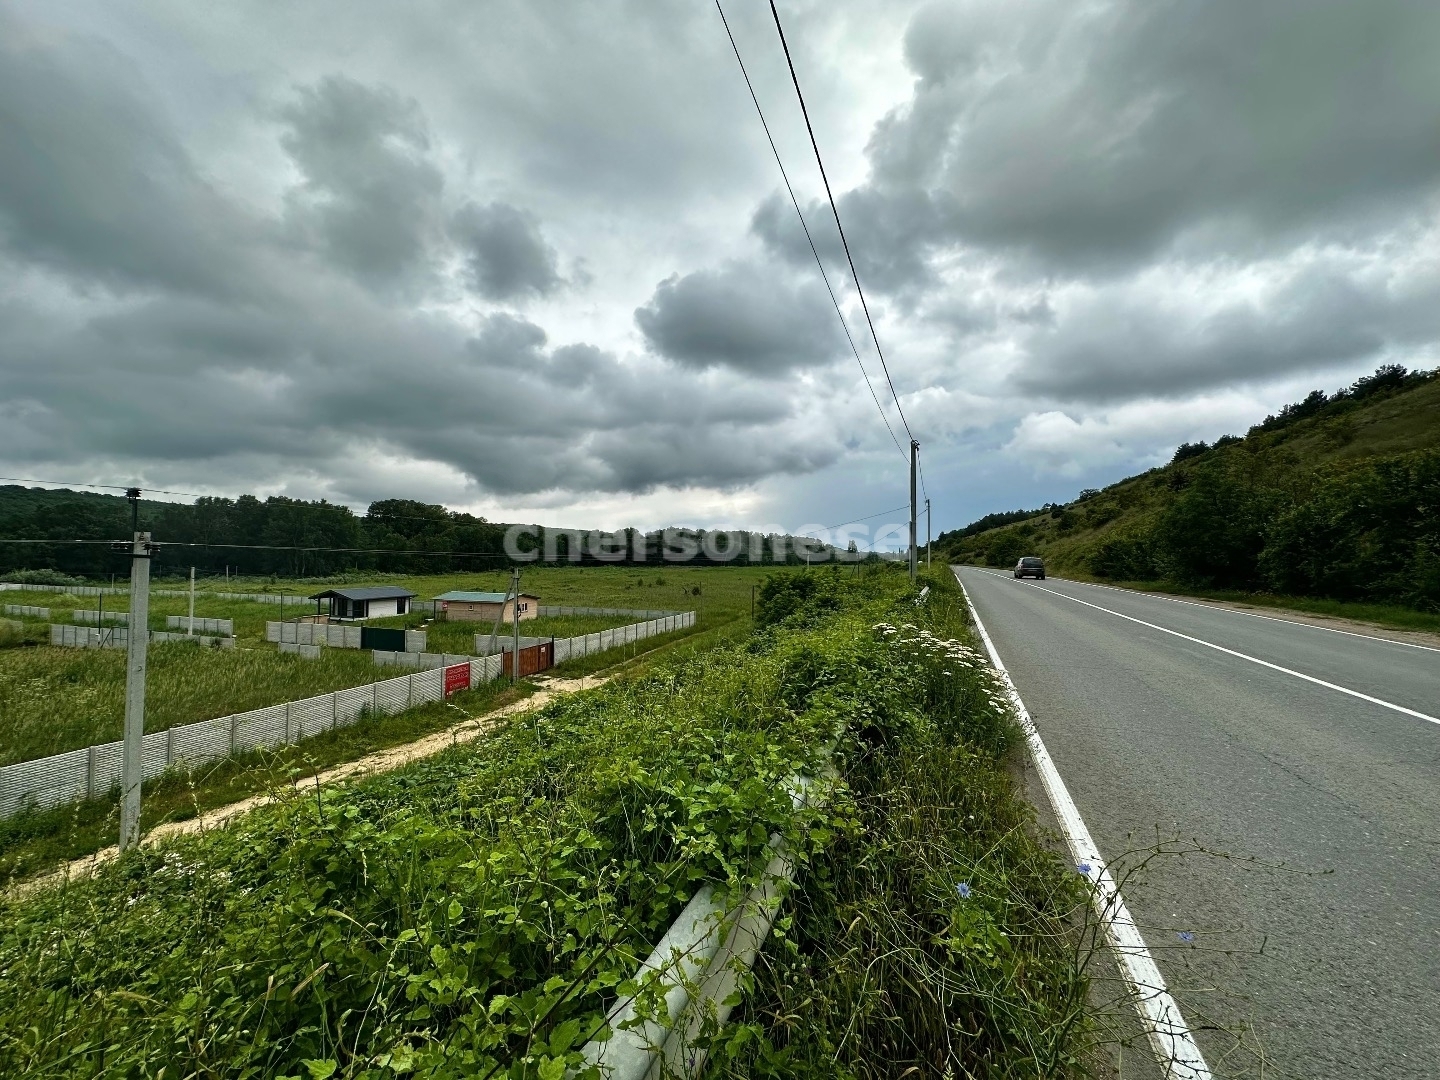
<point>1336,496</point>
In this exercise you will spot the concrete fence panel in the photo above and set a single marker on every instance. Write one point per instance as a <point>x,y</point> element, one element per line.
<point>223,627</point>
<point>27,609</point>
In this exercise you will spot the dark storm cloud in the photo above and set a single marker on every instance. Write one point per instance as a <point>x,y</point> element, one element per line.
<point>93,183</point>
<point>505,255</point>
<point>1121,346</point>
<point>371,195</point>
<point>1098,135</point>
<point>232,343</point>
<point>740,316</point>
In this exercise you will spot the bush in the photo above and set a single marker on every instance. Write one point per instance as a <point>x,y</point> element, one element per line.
<point>1367,532</point>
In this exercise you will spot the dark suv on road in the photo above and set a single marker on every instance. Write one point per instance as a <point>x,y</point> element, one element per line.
<point>1030,566</point>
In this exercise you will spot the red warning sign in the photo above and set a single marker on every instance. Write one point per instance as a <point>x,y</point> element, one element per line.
<point>457,678</point>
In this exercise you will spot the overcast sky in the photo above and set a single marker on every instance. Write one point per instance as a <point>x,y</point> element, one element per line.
<point>535,260</point>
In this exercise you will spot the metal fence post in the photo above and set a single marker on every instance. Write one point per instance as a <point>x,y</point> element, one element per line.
<point>90,771</point>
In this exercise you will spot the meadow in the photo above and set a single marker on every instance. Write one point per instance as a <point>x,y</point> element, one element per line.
<point>474,914</point>
<point>58,699</point>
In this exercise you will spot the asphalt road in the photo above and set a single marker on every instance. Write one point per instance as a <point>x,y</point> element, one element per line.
<point>1314,896</point>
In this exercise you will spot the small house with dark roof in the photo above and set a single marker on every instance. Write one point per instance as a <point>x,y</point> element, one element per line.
<point>370,602</point>
<point>485,606</point>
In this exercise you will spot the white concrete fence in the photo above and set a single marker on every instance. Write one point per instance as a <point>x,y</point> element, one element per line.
<point>571,647</point>
<point>94,617</point>
<point>53,781</point>
<point>640,613</point>
<point>224,627</point>
<point>118,637</point>
<point>335,635</point>
<point>27,609</point>
<point>283,599</point>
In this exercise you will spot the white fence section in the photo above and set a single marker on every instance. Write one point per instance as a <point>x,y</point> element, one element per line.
<point>309,652</point>
<point>283,599</point>
<point>80,774</point>
<point>93,617</point>
<point>639,613</point>
<point>336,635</point>
<point>73,590</point>
<point>118,637</point>
<point>490,666</point>
<point>332,634</point>
<point>27,609</point>
<point>225,627</point>
<point>568,648</point>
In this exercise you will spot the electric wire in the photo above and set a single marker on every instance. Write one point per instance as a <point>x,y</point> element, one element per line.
<point>803,225</point>
<point>882,513</point>
<point>794,78</point>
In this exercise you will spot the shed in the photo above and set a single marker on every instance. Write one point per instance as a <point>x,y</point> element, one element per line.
<point>485,606</point>
<point>369,602</point>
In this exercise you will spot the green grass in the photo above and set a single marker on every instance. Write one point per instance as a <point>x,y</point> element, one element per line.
<point>36,842</point>
<point>56,699</point>
<point>477,912</point>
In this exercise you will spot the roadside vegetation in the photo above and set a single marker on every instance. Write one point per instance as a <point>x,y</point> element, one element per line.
<point>476,913</point>
<point>1334,499</point>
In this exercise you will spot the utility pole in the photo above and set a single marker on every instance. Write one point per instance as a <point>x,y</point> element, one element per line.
<point>132,774</point>
<point>927,534</point>
<point>914,451</point>
<point>190,632</point>
<point>515,619</point>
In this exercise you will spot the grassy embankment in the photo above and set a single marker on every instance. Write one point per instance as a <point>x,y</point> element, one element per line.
<point>475,914</point>
<point>55,699</point>
<point>1328,508</point>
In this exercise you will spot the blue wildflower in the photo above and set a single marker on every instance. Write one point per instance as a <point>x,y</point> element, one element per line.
<point>963,889</point>
<point>1186,936</point>
<point>1083,868</point>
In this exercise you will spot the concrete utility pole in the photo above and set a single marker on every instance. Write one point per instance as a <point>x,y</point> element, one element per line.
<point>132,774</point>
<point>914,554</point>
<point>190,632</point>
<point>515,618</point>
<point>927,534</point>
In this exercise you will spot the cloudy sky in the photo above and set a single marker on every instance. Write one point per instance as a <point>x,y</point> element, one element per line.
<point>535,260</point>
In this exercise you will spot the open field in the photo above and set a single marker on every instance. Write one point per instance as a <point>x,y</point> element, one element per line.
<point>479,910</point>
<point>55,699</point>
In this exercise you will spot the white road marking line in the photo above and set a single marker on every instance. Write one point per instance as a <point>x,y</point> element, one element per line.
<point>1243,656</point>
<point>1174,1046</point>
<point>1252,614</point>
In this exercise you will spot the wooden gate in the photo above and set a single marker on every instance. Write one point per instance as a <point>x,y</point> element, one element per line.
<point>534,659</point>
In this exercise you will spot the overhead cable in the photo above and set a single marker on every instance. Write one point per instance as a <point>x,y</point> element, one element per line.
<point>803,225</point>
<point>840,228</point>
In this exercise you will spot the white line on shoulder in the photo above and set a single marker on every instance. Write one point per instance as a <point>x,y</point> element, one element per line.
<point>1170,1036</point>
<point>1252,614</point>
<point>1245,656</point>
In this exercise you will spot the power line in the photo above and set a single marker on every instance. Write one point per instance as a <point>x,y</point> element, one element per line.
<point>882,513</point>
<point>840,228</point>
<point>273,547</point>
<point>107,487</point>
<point>803,225</point>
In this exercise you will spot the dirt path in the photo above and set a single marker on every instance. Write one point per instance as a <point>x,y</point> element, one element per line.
<point>381,761</point>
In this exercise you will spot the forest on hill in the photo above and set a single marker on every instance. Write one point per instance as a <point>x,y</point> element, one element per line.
<point>1336,496</point>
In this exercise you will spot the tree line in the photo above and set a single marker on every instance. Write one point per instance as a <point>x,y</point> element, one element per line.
<point>296,538</point>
